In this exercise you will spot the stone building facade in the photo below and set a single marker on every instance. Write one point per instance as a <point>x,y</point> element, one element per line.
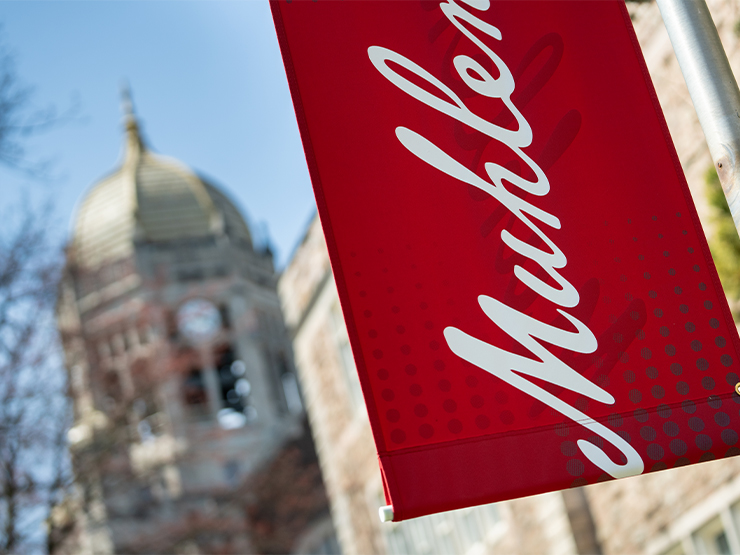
<point>189,430</point>
<point>688,510</point>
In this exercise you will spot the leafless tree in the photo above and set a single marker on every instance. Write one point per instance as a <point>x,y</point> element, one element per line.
<point>34,475</point>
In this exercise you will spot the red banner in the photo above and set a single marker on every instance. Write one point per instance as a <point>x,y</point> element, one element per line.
<point>528,292</point>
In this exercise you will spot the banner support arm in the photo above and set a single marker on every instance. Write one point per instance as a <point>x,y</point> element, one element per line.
<point>712,87</point>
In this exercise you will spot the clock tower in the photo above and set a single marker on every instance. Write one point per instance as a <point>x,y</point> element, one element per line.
<point>181,371</point>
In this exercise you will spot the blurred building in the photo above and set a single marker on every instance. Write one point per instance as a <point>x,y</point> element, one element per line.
<point>691,510</point>
<point>189,430</point>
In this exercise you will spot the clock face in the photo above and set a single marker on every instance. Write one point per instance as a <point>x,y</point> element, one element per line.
<point>198,320</point>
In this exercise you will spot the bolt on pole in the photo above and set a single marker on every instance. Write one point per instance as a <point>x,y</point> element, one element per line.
<point>712,87</point>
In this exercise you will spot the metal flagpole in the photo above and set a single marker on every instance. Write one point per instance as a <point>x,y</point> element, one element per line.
<point>712,87</point>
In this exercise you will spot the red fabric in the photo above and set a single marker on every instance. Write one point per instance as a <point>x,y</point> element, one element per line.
<point>413,247</point>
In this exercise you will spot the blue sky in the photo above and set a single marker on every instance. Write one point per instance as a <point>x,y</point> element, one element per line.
<point>208,86</point>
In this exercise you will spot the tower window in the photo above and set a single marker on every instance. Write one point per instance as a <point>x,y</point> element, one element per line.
<point>194,389</point>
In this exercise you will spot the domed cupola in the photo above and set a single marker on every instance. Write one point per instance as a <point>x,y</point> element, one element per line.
<point>150,199</point>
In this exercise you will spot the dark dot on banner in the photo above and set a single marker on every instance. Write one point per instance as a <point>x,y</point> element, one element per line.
<point>635,315</point>
<point>652,294</point>
<point>617,259</point>
<point>625,436</point>
<point>357,274</point>
<point>398,436</point>
<point>726,360</point>
<point>660,235</point>
<point>405,349</point>
<point>393,415</point>
<point>696,424</point>
<point>612,318</point>
<point>664,411</point>
<point>690,327</point>
<point>655,218</point>
<point>395,309</point>
<point>444,385</point>
<point>634,239</point>
<point>415,390</point>
<point>683,461</point>
<point>722,419</point>
<point>562,429</point>
<point>684,232</point>
<point>646,353</point>
<point>629,376</point>
<point>670,350</point>
<point>615,420</point>
<point>707,382</point>
<point>664,331</point>
<point>671,271</point>
<point>682,388</point>
<point>635,396</point>
<point>373,334</point>
<point>702,286</point>
<point>732,452</point>
<point>690,250</point>
<point>410,369</point>
<point>655,451</point>
<point>714,323</point>
<point>388,395</point>
<point>658,313</point>
<point>449,405</point>
<point>426,431</point>
<point>703,442</point>
<point>706,457</point>
<point>640,334</point>
<point>423,306</point>
<point>581,404</point>
<point>617,338</point>
<point>720,341</point>
<point>677,290</point>
<point>678,447</point>
<point>507,417</point>
<point>501,397</point>
<point>383,374</point>
<point>482,422</point>
<point>367,314</point>
<point>439,365</point>
<point>646,275</point>
<point>641,415</point>
<point>421,410</point>
<point>666,254</point>
<point>471,381</point>
<point>628,297</point>
<point>400,329</point>
<point>702,364</point>
<point>676,369</point>
<point>714,401</point>
<point>455,426</point>
<point>363,293</point>
<point>683,308</point>
<point>651,372</point>
<point>390,290</point>
<point>671,429</point>
<point>378,354</point>
<point>657,392</point>
<point>696,345</point>
<point>602,380</point>
<point>428,324</point>
<point>688,407</point>
<point>433,345</point>
<point>696,267</point>
<point>708,305</point>
<point>648,433</point>
<point>476,401</point>
<point>575,467</point>
<point>731,379</point>
<point>568,448</point>
<point>622,278</point>
<point>729,437</point>
<point>624,358</point>
<point>418,285</point>
<point>641,257</point>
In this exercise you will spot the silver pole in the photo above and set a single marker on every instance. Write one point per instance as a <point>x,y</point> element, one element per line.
<point>712,87</point>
